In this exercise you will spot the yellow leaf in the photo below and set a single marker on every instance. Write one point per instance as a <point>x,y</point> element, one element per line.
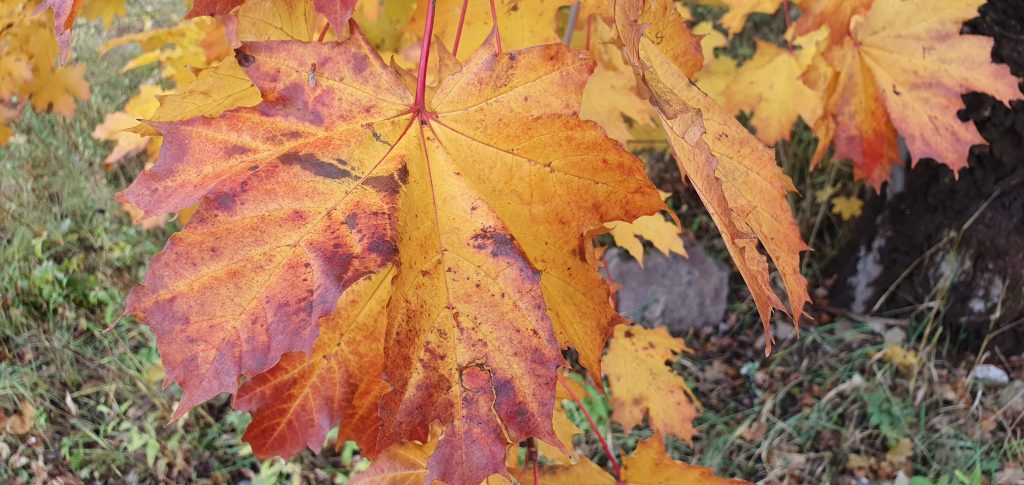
<point>585,472</point>
<point>904,359</point>
<point>103,10</point>
<point>214,91</point>
<point>770,86</point>
<point>279,20</point>
<point>663,233</point>
<point>716,76</point>
<point>565,429</point>
<point>710,40</point>
<point>611,97</point>
<point>116,125</point>
<point>739,10</point>
<point>196,43</point>
<point>400,464</point>
<point>59,90</point>
<point>382,21</point>
<point>650,465</point>
<point>521,23</point>
<point>847,207</point>
<point>643,385</point>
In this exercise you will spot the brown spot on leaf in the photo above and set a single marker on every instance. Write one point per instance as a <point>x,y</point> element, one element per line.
<point>315,166</point>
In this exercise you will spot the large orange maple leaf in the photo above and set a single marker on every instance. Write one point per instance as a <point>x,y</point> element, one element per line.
<point>483,197</point>
<point>908,77</point>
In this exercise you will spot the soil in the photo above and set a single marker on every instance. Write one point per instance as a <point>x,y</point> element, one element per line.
<point>930,238</point>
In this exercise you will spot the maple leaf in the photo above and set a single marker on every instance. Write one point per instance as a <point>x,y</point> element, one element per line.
<point>59,90</point>
<point>736,17</point>
<point>649,464</point>
<point>847,207</point>
<point>583,472</point>
<point>734,174</point>
<point>214,91</point>
<point>641,384</point>
<point>835,14</point>
<point>403,463</point>
<point>64,14</point>
<point>385,23</point>
<point>28,70</point>
<point>717,72</point>
<point>664,234</point>
<point>612,97</point>
<point>710,40</point>
<point>116,125</point>
<point>521,23</point>
<point>338,12</point>
<point>770,85</point>
<point>198,43</point>
<point>212,8</point>
<point>565,429</point>
<point>330,181</point>
<point>909,77</point>
<point>103,10</point>
<point>299,400</point>
<point>279,20</point>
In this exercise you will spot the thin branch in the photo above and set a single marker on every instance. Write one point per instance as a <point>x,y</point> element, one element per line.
<point>600,437</point>
<point>421,76</point>
<point>497,32</point>
<point>323,32</point>
<point>458,33</point>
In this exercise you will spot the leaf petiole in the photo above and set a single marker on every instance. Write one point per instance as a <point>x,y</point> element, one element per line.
<point>421,76</point>
<point>593,426</point>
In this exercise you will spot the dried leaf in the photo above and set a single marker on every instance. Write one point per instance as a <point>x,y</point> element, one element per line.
<point>64,14</point>
<point>297,402</point>
<point>664,234</point>
<point>847,207</point>
<point>734,174</point>
<point>638,366</point>
<point>909,77</point>
<point>20,423</point>
<point>649,464</point>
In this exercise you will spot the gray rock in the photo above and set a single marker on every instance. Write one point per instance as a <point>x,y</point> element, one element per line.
<point>671,291</point>
<point>991,374</point>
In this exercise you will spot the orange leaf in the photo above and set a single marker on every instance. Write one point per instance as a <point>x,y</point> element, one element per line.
<point>403,463</point>
<point>327,182</point>
<point>649,464</point>
<point>64,14</point>
<point>734,174</point>
<point>521,23</point>
<point>642,384</point>
<point>769,84</point>
<point>298,401</point>
<point>736,17</point>
<point>585,472</point>
<point>20,423</point>
<point>835,14</point>
<point>337,11</point>
<point>212,8</point>
<point>917,72</point>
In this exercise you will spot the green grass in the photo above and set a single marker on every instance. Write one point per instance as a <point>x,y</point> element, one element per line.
<point>67,258</point>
